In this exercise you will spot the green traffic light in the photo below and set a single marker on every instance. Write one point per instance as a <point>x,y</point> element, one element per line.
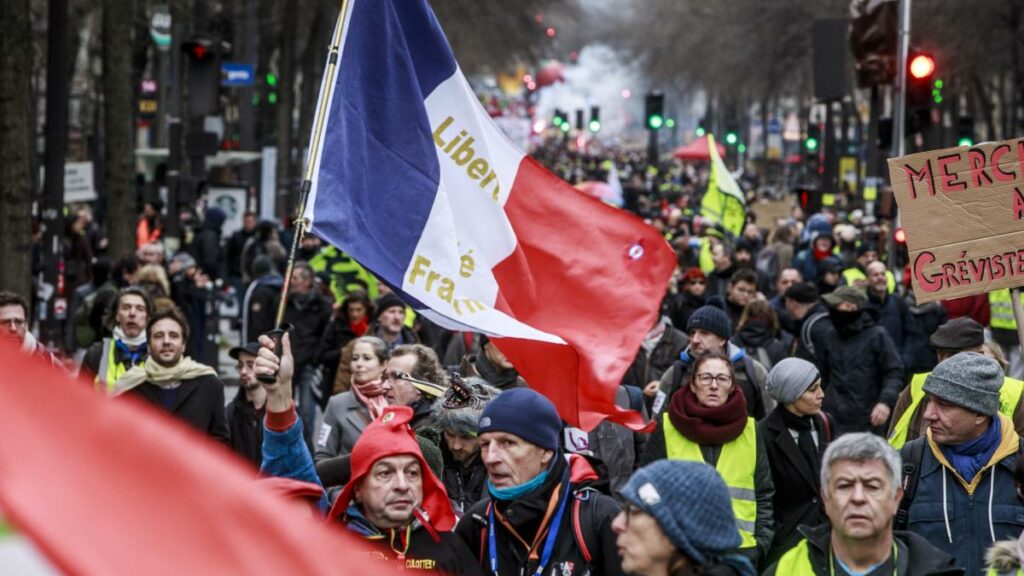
<point>565,126</point>
<point>655,122</point>
<point>595,126</point>
<point>271,79</point>
<point>965,141</point>
<point>557,121</point>
<point>938,99</point>
<point>700,132</point>
<point>742,148</point>
<point>939,83</point>
<point>255,99</point>
<point>811,144</point>
<point>272,97</point>
<point>731,138</point>
<point>670,123</point>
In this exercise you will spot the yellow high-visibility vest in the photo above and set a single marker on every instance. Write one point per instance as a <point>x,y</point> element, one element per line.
<point>1002,309</point>
<point>796,562</point>
<point>110,370</point>
<point>854,274</point>
<point>1009,396</point>
<point>736,465</point>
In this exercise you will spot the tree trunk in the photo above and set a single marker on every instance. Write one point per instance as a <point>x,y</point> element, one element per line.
<point>286,188</point>
<point>118,124</point>
<point>17,124</point>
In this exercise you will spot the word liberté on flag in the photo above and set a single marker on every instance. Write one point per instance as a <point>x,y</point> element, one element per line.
<point>415,181</point>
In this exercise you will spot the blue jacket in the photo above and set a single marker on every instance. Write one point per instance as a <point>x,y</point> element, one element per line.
<point>973,514</point>
<point>285,455</point>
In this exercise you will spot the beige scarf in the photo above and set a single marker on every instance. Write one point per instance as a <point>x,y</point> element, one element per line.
<point>166,377</point>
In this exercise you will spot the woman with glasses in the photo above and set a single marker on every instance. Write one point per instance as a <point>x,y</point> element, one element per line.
<point>796,434</point>
<point>706,421</point>
<point>678,521</point>
<point>348,413</point>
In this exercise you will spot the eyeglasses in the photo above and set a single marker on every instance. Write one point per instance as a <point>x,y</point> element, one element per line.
<point>631,512</point>
<point>705,380</point>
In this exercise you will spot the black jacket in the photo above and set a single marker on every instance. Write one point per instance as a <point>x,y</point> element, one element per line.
<point>336,336</point>
<point>464,484</point>
<point>308,315</point>
<point>895,317</point>
<point>647,368</point>
<point>858,370</point>
<point>206,245</point>
<point>914,554</point>
<point>761,344</point>
<point>199,402</point>
<point>245,425</point>
<point>797,483</point>
<point>596,514</point>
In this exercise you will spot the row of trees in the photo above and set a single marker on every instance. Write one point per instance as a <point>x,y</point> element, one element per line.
<point>110,51</point>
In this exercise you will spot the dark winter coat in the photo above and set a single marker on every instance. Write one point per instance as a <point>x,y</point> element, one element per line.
<point>465,485</point>
<point>245,425</point>
<point>199,402</point>
<point>206,245</point>
<point>757,339</point>
<point>895,317</point>
<point>680,307</point>
<point>336,336</point>
<point>858,371</point>
<point>810,333</point>
<point>797,483</point>
<point>914,555</point>
<point>308,315</point>
<point>596,514</point>
<point>647,368</point>
<point>928,317</point>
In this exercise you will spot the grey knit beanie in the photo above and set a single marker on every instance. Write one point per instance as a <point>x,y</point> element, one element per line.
<point>969,380</point>
<point>691,504</point>
<point>790,378</point>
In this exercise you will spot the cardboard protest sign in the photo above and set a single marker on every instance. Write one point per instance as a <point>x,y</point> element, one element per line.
<point>961,209</point>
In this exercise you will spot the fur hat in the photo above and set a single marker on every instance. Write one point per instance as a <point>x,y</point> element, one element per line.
<point>462,405</point>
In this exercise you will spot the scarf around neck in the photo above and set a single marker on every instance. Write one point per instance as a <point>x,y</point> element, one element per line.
<point>120,336</point>
<point>165,377</point>
<point>704,425</point>
<point>371,395</point>
<point>970,457</point>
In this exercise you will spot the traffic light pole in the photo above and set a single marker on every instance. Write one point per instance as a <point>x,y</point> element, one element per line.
<point>652,147</point>
<point>900,111</point>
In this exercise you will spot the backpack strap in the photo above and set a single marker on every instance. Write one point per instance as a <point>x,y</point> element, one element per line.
<point>677,377</point>
<point>826,427</point>
<point>805,331</point>
<point>580,496</point>
<point>913,453</point>
<point>483,532</point>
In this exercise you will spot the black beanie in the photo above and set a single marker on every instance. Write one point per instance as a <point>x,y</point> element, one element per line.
<point>386,301</point>
<point>711,317</point>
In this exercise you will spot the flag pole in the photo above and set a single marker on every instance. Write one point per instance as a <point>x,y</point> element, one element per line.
<point>315,144</point>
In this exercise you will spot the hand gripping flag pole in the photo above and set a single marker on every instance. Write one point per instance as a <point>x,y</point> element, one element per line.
<point>301,223</point>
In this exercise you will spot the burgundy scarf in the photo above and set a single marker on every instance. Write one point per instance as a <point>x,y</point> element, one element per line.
<point>709,426</point>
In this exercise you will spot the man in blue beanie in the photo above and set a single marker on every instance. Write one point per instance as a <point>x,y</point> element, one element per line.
<point>710,329</point>
<point>543,515</point>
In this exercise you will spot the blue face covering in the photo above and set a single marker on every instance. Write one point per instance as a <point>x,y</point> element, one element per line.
<point>513,492</point>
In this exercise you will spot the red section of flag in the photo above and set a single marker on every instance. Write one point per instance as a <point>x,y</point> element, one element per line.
<point>592,274</point>
<point>106,486</point>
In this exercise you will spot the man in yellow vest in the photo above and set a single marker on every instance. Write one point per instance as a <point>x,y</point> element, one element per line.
<point>958,335</point>
<point>860,486</point>
<point>857,275</point>
<point>1004,330</point>
<point>111,357</point>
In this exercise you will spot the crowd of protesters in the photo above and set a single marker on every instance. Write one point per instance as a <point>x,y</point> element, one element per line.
<point>807,415</point>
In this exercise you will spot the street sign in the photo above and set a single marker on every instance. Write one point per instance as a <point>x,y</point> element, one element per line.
<point>160,27</point>
<point>78,182</point>
<point>237,74</point>
<point>774,126</point>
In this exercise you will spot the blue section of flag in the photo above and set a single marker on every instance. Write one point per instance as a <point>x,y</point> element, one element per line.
<point>379,171</point>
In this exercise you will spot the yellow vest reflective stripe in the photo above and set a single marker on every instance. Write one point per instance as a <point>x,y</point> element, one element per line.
<point>705,261</point>
<point>853,275</point>
<point>1009,396</point>
<point>796,562</point>
<point>1017,572</point>
<point>114,370</point>
<point>1002,310</point>
<point>736,465</point>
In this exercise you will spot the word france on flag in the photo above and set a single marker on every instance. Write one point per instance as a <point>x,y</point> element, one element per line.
<point>413,179</point>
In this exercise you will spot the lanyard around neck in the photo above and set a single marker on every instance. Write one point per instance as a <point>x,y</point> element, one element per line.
<point>549,542</point>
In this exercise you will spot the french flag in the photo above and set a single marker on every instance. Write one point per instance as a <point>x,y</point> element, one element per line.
<point>412,178</point>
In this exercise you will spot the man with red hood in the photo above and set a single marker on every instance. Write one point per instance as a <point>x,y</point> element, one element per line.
<point>393,499</point>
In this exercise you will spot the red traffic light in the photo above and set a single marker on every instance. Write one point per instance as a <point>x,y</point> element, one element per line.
<point>199,51</point>
<point>922,66</point>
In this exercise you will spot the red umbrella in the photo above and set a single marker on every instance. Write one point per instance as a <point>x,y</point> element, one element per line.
<point>697,150</point>
<point>550,73</point>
